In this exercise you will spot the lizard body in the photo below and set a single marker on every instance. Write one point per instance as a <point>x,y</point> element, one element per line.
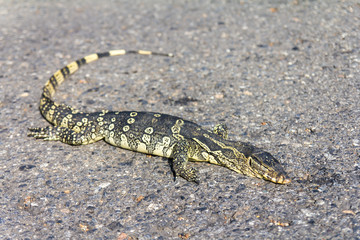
<point>151,133</point>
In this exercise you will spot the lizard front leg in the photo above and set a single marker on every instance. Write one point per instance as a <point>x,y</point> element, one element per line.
<point>221,130</point>
<point>180,157</point>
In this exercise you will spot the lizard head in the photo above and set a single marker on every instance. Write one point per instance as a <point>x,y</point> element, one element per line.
<point>242,158</point>
<point>263,165</point>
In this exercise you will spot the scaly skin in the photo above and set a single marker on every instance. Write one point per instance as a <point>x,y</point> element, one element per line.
<point>151,133</point>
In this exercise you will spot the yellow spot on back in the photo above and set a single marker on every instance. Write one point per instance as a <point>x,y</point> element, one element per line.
<point>149,130</point>
<point>64,122</point>
<point>126,128</point>
<point>103,112</point>
<point>179,122</point>
<point>146,139</point>
<point>166,141</point>
<point>76,129</point>
<point>130,120</point>
<point>111,126</point>
<point>157,115</point>
<point>133,114</point>
<point>175,129</point>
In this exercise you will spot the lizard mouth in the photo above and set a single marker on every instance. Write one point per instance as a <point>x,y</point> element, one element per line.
<point>264,165</point>
<point>280,179</point>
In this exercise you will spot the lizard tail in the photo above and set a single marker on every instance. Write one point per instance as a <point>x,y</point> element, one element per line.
<point>58,77</point>
<point>51,110</point>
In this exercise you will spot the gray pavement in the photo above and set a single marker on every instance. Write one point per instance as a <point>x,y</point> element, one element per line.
<point>282,75</point>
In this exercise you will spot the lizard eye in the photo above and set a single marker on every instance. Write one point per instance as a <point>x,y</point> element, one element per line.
<point>265,159</point>
<point>257,164</point>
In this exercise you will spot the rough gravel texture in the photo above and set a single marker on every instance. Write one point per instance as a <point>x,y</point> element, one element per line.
<point>282,75</point>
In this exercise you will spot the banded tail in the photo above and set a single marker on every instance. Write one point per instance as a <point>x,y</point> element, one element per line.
<point>52,110</point>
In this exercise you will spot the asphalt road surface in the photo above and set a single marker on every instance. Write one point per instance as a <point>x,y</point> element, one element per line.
<point>283,75</point>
